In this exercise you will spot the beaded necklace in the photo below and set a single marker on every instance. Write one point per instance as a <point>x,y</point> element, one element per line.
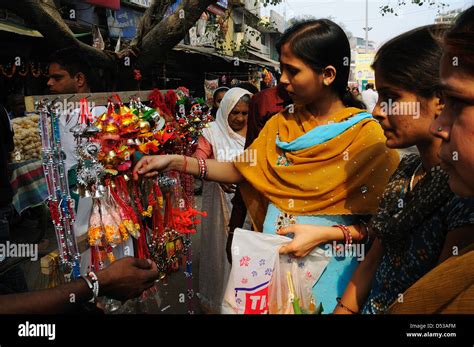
<point>60,203</point>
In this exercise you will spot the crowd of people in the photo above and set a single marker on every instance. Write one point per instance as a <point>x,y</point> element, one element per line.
<point>312,160</point>
<point>415,213</point>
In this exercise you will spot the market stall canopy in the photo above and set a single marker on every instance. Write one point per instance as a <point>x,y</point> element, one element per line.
<point>209,51</point>
<point>25,31</point>
<point>271,62</point>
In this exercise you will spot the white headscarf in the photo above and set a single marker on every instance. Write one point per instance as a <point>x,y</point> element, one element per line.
<point>226,143</point>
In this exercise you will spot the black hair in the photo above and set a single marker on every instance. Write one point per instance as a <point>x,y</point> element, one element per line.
<point>73,61</point>
<point>459,40</point>
<point>369,86</point>
<point>411,60</point>
<point>217,91</point>
<point>319,43</point>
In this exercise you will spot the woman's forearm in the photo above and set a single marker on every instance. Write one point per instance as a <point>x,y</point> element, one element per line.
<point>218,171</point>
<point>360,284</point>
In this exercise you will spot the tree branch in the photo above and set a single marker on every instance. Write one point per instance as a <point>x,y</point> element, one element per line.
<point>45,17</point>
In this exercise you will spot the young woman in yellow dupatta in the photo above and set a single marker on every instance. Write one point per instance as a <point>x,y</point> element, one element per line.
<point>322,161</point>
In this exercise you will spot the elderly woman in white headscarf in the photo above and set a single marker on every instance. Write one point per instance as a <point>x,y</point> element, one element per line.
<point>223,140</point>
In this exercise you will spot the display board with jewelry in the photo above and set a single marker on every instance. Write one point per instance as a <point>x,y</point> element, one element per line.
<point>158,214</point>
<point>60,204</point>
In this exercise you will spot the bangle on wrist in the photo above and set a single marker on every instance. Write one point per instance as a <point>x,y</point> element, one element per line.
<point>95,285</point>
<point>344,307</point>
<point>185,164</point>
<point>90,285</point>
<point>365,236</point>
<point>347,233</point>
<point>202,168</point>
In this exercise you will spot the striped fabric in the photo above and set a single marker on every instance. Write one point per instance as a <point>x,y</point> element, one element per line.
<point>28,184</point>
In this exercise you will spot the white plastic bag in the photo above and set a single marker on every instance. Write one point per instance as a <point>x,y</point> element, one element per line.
<point>258,278</point>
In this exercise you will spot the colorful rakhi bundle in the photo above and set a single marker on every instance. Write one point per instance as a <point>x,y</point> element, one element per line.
<point>187,117</point>
<point>154,216</point>
<point>158,214</point>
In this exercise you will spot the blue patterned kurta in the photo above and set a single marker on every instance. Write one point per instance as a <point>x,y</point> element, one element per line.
<point>398,270</point>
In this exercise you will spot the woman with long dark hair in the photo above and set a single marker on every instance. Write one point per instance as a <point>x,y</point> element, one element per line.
<point>321,161</point>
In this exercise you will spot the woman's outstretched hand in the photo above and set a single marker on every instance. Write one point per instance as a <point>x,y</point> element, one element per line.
<point>150,166</point>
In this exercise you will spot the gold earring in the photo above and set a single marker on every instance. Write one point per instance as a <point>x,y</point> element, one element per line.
<point>326,83</point>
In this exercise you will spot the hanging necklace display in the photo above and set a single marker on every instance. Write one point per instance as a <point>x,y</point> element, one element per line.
<point>89,169</point>
<point>168,240</point>
<point>188,219</point>
<point>192,115</point>
<point>60,203</point>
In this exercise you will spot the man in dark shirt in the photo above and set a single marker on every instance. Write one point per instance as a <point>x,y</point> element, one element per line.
<point>6,192</point>
<point>11,280</point>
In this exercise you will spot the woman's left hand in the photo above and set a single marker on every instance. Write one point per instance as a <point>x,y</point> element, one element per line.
<point>306,238</point>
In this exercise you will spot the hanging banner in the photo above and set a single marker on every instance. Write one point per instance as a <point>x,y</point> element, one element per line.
<point>363,69</point>
<point>123,23</point>
<point>112,4</point>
